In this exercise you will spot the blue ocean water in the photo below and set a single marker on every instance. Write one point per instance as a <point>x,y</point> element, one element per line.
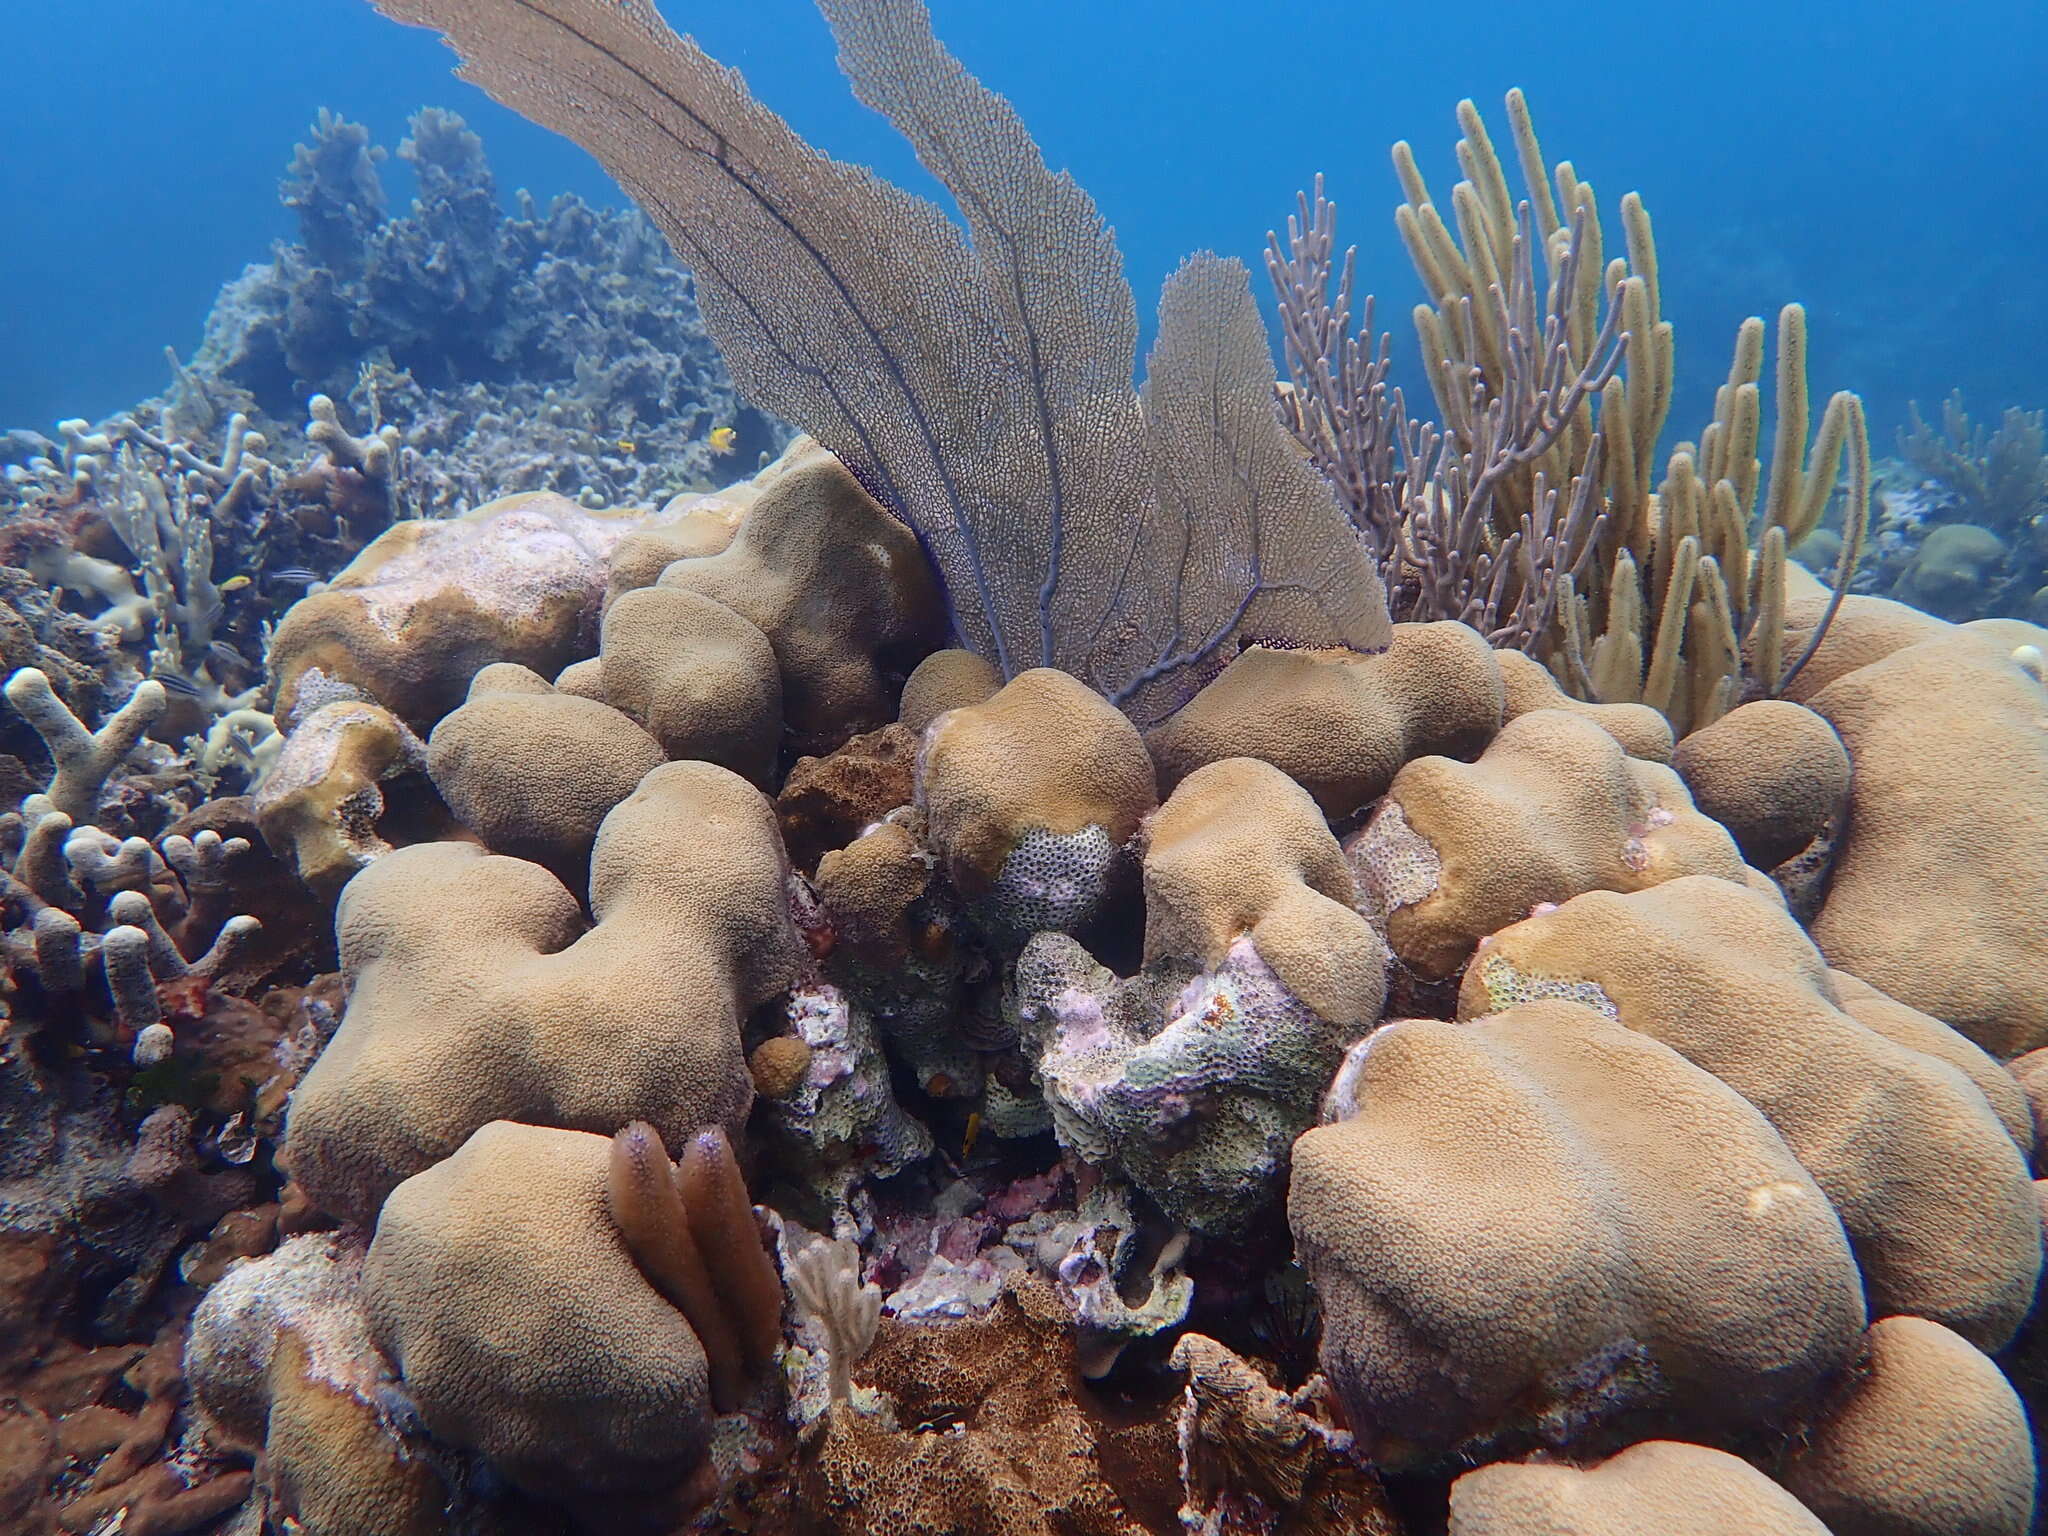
<point>1880,162</point>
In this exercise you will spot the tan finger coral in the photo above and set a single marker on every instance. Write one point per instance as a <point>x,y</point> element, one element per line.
<point>1773,773</point>
<point>1552,808</point>
<point>1661,1486</point>
<point>1937,896</point>
<point>1928,1183</point>
<point>480,992</point>
<point>840,588</point>
<point>1341,725</point>
<point>1030,799</point>
<point>533,772</point>
<point>701,679</point>
<point>430,601</point>
<point>1929,1440</point>
<point>1542,1228</point>
<point>506,1294</point>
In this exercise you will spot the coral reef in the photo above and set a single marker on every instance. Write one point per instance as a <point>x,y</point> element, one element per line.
<point>969,980</point>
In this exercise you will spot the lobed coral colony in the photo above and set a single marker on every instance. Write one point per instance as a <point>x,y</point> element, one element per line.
<point>1060,960</point>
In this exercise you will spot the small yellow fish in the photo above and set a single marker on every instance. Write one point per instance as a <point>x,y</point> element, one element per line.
<point>724,439</point>
<point>235,583</point>
<point>626,445</point>
<point>973,1135</point>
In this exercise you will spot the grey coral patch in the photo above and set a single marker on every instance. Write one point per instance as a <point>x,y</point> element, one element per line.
<point>1053,882</point>
<point>1395,866</point>
<point>1506,986</point>
<point>842,1123</point>
<point>1194,1084</point>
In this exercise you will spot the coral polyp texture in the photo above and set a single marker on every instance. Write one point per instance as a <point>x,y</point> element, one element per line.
<point>576,958</point>
<point>480,991</point>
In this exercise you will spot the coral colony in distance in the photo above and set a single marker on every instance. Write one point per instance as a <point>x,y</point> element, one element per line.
<point>685,872</point>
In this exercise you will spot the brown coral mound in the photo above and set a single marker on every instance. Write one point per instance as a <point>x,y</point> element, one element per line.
<point>946,680</point>
<point>1642,731</point>
<point>1771,772</point>
<point>995,1435</point>
<point>1551,809</point>
<point>1240,849</point>
<point>1937,896</point>
<point>1338,724</point>
<point>701,679</point>
<point>1545,1228</point>
<point>839,587</point>
<point>1928,1183</point>
<point>481,993</point>
<point>506,1295</point>
<point>282,1363</point>
<point>827,801</point>
<point>416,614</point>
<point>320,804</point>
<point>1030,797</point>
<point>1663,1486</point>
<point>534,772</point>
<point>1928,1441</point>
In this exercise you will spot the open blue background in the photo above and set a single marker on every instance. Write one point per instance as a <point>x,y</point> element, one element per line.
<point>1882,162</point>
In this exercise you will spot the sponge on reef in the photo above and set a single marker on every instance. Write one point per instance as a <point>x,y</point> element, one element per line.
<point>480,992</point>
<point>1542,1227</point>
<point>1551,809</point>
<point>1030,798</point>
<point>1927,1181</point>
<point>840,588</point>
<point>1195,1076</point>
<point>1339,724</point>
<point>1663,1486</point>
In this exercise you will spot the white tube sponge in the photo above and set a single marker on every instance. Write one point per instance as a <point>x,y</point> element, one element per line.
<point>84,758</point>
